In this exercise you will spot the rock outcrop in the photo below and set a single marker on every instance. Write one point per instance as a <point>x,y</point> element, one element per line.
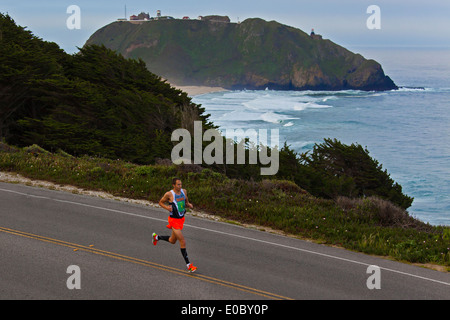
<point>254,54</point>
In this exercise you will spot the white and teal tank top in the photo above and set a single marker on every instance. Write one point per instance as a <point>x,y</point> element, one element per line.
<point>178,205</point>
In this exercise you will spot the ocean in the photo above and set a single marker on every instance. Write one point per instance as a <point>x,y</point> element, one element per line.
<point>406,130</point>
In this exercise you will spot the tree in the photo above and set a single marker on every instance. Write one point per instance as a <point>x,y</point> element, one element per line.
<point>337,169</point>
<point>24,59</point>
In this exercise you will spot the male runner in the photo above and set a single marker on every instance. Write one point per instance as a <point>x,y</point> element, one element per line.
<point>178,201</point>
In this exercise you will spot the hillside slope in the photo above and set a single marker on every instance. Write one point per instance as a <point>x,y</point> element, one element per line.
<point>254,54</point>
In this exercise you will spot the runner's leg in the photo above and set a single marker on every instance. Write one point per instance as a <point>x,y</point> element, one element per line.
<point>172,239</point>
<point>179,236</point>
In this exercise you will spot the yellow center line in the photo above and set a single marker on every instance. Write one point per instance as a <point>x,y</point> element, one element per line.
<point>146,263</point>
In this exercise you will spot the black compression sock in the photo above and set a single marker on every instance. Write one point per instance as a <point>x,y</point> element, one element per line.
<point>185,255</point>
<point>165,238</point>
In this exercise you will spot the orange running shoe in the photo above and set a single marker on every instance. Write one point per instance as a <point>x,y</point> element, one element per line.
<point>191,267</point>
<point>155,238</point>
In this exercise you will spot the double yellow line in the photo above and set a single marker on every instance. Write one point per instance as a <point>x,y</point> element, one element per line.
<point>145,263</point>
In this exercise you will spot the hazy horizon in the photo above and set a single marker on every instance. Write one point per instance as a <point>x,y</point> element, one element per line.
<point>402,24</point>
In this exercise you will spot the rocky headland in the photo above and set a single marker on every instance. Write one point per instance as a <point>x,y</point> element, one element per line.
<point>253,54</point>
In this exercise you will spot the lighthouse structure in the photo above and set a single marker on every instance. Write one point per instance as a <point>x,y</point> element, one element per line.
<point>315,36</point>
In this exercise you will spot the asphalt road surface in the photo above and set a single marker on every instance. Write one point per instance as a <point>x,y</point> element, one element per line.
<point>58,245</point>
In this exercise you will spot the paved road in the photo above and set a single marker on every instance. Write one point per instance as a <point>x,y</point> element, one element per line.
<point>43,232</point>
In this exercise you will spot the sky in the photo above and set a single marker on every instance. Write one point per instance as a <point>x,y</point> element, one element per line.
<point>401,23</point>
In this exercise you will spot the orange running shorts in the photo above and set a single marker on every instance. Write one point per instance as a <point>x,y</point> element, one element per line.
<point>176,223</point>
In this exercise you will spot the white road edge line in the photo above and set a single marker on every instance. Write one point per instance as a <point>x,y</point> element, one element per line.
<point>230,234</point>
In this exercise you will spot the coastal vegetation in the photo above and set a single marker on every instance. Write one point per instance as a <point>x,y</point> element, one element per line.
<point>94,102</point>
<point>367,224</point>
<point>99,121</point>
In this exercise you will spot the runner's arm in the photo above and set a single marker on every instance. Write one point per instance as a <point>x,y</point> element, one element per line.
<point>188,204</point>
<point>164,199</point>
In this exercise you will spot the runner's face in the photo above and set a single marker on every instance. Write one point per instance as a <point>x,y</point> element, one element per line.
<point>177,186</point>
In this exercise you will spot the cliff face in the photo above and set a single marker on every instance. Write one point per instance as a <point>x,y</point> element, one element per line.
<point>254,54</point>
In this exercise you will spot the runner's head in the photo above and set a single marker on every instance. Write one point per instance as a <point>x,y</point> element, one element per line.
<point>176,182</point>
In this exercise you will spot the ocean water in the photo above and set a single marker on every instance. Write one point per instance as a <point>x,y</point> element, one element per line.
<point>406,130</point>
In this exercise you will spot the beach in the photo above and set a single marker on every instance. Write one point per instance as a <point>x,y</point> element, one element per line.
<point>198,90</point>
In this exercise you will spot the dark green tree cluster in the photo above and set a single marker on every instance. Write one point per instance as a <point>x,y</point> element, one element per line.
<point>94,102</point>
<point>333,169</point>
